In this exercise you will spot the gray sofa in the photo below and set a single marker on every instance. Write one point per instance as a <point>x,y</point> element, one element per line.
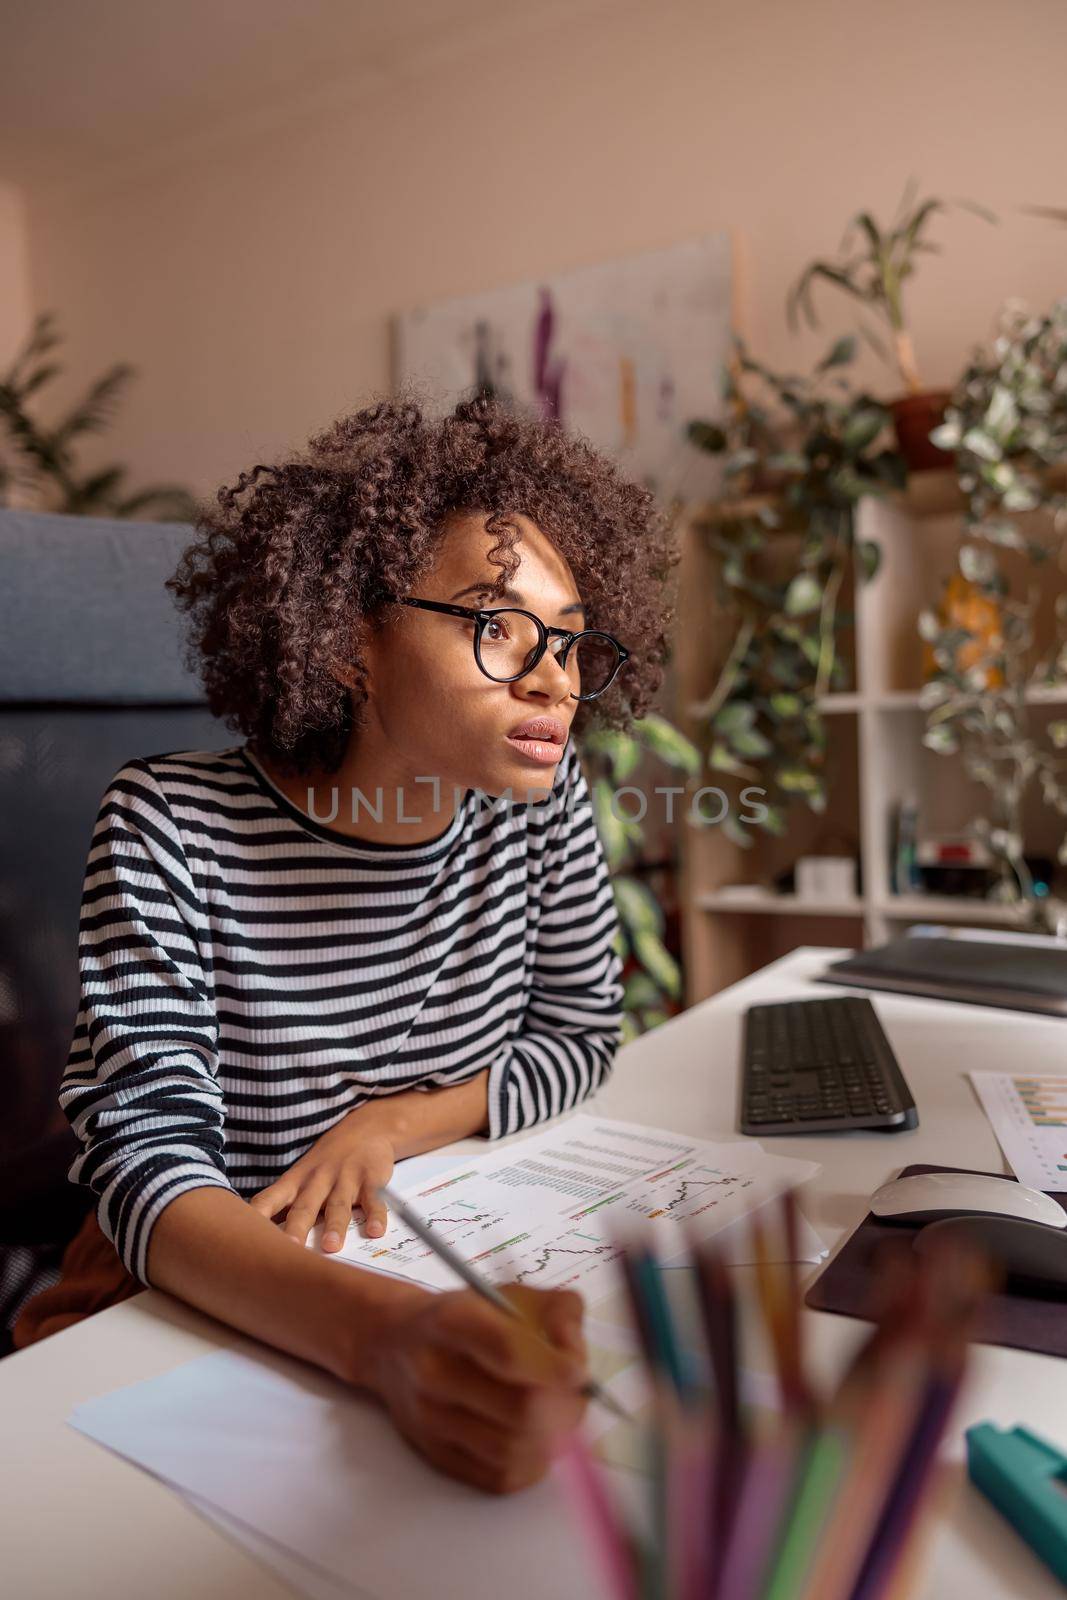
<point>91,674</point>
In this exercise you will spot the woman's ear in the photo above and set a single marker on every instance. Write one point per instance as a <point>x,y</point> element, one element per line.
<point>355,668</point>
<point>343,672</point>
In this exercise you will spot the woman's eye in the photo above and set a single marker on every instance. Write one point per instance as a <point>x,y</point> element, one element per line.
<point>495,630</point>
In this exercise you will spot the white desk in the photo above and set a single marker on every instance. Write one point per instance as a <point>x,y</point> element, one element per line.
<point>75,1520</point>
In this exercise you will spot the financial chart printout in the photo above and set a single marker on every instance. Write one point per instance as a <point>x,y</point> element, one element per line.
<point>550,1209</point>
<point>1029,1116</point>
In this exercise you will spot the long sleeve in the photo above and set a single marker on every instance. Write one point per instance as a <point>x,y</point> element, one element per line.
<point>140,1088</point>
<point>573,1018</point>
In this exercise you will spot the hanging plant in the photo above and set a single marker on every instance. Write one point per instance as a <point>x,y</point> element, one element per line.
<point>798,455</point>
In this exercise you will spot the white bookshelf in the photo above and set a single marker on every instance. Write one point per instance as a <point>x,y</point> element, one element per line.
<point>733,921</point>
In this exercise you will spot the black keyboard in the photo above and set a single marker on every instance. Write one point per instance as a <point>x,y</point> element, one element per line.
<point>821,1066</point>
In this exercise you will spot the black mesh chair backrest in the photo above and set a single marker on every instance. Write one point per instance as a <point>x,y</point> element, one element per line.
<point>91,675</point>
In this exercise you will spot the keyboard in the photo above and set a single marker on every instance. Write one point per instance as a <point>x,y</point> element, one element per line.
<point>821,1066</point>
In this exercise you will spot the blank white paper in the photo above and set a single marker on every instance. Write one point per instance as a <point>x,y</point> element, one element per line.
<point>314,1467</point>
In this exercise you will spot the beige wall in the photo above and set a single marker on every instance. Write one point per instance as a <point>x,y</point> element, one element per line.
<point>15,298</point>
<point>251,277</point>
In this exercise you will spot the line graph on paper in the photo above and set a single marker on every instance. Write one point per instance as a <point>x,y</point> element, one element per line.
<point>685,1190</point>
<point>464,1224</point>
<point>551,1210</point>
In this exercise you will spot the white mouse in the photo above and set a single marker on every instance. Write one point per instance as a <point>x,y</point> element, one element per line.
<point>928,1196</point>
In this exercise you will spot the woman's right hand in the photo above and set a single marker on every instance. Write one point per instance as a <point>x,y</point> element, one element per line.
<point>481,1395</point>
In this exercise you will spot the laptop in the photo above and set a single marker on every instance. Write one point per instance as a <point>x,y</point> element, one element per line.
<point>1017,975</point>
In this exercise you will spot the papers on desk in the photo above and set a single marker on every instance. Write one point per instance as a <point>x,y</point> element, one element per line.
<point>302,1463</point>
<point>313,1480</point>
<point>1029,1117</point>
<point>546,1211</point>
<point>312,1477</point>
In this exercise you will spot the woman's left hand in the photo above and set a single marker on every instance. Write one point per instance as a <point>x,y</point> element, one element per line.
<point>342,1169</point>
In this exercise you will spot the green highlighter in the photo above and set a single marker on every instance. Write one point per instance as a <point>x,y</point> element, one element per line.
<point>1016,1470</point>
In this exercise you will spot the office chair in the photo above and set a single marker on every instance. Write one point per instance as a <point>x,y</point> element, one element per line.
<point>91,675</point>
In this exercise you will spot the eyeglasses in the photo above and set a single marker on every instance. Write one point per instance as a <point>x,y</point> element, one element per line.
<point>509,643</point>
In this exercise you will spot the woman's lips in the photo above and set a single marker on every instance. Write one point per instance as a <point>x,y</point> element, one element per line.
<point>542,751</point>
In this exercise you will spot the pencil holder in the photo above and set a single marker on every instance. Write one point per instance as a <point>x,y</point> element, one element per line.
<point>757,1486</point>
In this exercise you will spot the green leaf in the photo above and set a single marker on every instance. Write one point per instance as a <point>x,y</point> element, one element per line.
<point>796,780</point>
<point>810,649</point>
<point>817,799</point>
<point>96,491</point>
<point>611,828</point>
<point>658,963</point>
<point>750,742</point>
<point>168,502</point>
<point>1002,414</point>
<point>640,992</point>
<point>774,821</point>
<point>841,352</point>
<point>1057,732</point>
<point>1001,532</point>
<point>707,436</point>
<point>869,556</point>
<point>786,705</point>
<point>734,717</point>
<point>720,759</point>
<point>946,436</point>
<point>38,379</point>
<point>96,407</point>
<point>803,595</point>
<point>638,908</point>
<point>941,739</point>
<point>665,741</point>
<point>619,750</point>
<point>863,427</point>
<point>980,444</point>
<point>976,564</point>
<point>738,835</point>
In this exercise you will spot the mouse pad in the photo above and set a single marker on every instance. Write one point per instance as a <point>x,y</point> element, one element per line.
<point>1022,1321</point>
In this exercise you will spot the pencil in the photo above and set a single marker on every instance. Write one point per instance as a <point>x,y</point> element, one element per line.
<point>452,1258</point>
<point>607,1529</point>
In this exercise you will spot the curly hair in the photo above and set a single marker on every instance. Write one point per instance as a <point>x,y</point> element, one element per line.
<point>294,562</point>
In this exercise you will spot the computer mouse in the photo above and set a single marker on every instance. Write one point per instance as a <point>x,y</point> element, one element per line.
<point>929,1196</point>
<point>1030,1255</point>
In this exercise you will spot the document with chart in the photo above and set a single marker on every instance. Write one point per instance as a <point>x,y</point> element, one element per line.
<point>549,1210</point>
<point>1029,1116</point>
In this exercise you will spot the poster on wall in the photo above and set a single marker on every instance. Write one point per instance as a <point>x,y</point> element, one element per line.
<point>625,353</point>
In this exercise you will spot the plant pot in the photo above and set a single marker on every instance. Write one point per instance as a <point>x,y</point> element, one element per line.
<point>915,416</point>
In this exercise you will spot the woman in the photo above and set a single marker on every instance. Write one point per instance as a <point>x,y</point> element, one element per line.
<point>380,924</point>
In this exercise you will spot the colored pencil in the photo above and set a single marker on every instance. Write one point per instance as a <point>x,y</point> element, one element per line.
<point>828,1499</point>
<point>612,1541</point>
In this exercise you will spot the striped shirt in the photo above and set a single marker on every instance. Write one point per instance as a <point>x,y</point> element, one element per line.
<point>249,975</point>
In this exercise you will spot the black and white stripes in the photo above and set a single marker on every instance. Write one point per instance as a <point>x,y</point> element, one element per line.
<point>249,975</point>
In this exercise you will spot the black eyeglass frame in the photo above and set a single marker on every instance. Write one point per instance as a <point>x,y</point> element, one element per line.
<point>544,632</point>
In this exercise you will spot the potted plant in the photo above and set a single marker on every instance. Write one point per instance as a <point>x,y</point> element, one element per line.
<point>1007,423</point>
<point>799,454</point>
<point>39,469</point>
<point>872,266</point>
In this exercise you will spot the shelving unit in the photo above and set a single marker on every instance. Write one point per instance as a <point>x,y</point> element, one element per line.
<point>733,922</point>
